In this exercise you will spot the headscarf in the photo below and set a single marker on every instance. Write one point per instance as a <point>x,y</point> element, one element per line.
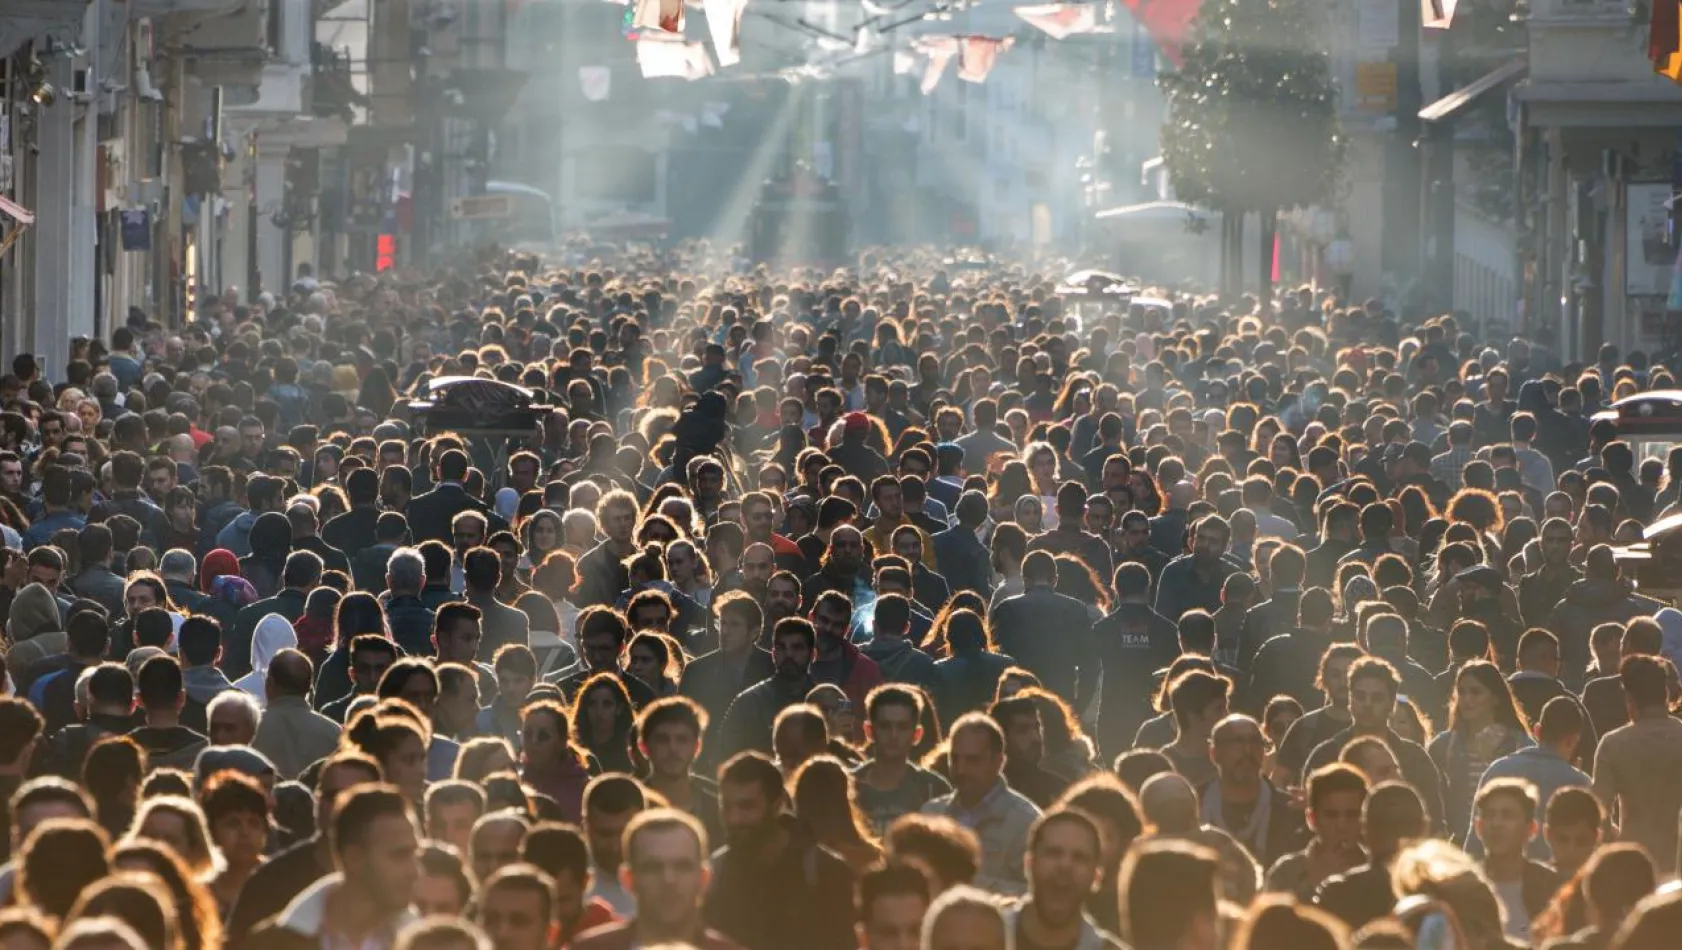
<point>218,563</point>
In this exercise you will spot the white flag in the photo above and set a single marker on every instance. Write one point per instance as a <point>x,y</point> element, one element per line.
<point>596,82</point>
<point>1436,14</point>
<point>905,62</point>
<point>1060,20</point>
<point>724,23</point>
<point>662,59</point>
<point>939,50</point>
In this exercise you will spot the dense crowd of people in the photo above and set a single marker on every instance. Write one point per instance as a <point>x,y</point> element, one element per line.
<point>892,608</point>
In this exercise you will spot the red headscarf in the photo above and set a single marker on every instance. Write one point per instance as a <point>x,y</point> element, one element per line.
<point>216,564</point>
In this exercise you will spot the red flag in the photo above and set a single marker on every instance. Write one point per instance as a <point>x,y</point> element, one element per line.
<point>1664,31</point>
<point>1167,22</point>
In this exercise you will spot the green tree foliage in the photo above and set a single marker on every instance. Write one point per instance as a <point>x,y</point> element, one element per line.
<point>1252,114</point>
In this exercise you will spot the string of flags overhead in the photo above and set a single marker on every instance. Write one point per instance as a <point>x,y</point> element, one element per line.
<point>664,49</point>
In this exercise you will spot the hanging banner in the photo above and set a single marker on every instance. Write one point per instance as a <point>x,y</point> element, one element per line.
<point>1060,20</point>
<point>939,50</point>
<point>1436,14</point>
<point>656,17</point>
<point>1167,22</point>
<point>596,82</point>
<point>724,24</point>
<point>979,54</point>
<point>662,59</point>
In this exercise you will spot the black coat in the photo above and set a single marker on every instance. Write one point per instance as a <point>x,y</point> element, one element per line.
<point>430,514</point>
<point>966,683</point>
<point>813,888</point>
<point>1050,634</point>
<point>964,561</point>
<point>353,530</point>
<point>1133,641</point>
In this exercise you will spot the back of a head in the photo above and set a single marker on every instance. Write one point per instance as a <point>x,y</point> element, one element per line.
<point>1393,814</point>
<point>962,901</point>
<point>1167,888</point>
<point>1276,921</point>
<point>1653,924</point>
<point>1170,803</point>
<point>1619,876</point>
<point>1439,870</point>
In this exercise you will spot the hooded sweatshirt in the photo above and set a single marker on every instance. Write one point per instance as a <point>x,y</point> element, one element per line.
<point>34,628</point>
<point>273,634</point>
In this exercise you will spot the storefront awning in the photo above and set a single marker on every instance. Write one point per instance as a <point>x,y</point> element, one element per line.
<point>1449,107</point>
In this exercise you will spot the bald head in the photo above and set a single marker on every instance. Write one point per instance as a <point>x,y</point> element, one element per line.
<point>1170,803</point>
<point>290,674</point>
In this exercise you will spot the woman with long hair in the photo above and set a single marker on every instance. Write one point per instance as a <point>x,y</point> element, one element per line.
<point>656,660</point>
<point>601,722</point>
<point>969,674</point>
<point>358,612</point>
<point>1069,753</point>
<point>377,394</point>
<point>540,535</point>
<point>177,823</point>
<point>1484,724</point>
<point>826,801</point>
<point>549,761</point>
<point>195,908</point>
<point>1011,483</point>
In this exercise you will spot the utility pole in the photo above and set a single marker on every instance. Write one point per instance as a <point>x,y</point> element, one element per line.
<point>1403,178</point>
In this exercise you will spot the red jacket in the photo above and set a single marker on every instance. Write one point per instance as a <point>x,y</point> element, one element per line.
<point>598,914</point>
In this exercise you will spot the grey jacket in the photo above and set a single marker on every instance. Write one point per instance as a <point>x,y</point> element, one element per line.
<point>1001,821</point>
<point>293,735</point>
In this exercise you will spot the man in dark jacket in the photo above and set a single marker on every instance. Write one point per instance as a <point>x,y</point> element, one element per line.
<point>1195,580</point>
<point>162,694</point>
<point>770,853</point>
<point>127,471</point>
<point>1600,597</point>
<point>1393,815</point>
<point>1070,537</point>
<point>482,572</point>
<point>1338,539</point>
<point>430,514</point>
<point>1049,633</point>
<point>964,561</point>
<point>96,581</point>
<point>110,712</point>
<point>601,571</point>
<point>306,538</point>
<point>715,679</point>
<point>368,564</point>
<point>1132,642</point>
<point>300,576</point>
<point>1373,690</point>
<point>748,721</point>
<point>410,620</point>
<point>1541,591</point>
<point>900,661</point>
<point>354,530</point>
<point>1279,612</point>
<point>1242,802</point>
